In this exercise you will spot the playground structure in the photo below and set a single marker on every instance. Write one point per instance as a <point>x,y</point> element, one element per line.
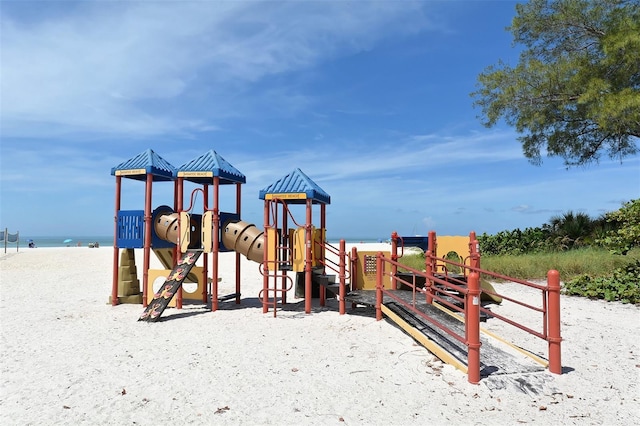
<point>440,307</point>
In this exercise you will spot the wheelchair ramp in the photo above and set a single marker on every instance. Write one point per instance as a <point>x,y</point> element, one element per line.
<point>497,357</point>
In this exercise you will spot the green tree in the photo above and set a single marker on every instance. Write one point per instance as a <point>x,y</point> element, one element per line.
<point>575,92</point>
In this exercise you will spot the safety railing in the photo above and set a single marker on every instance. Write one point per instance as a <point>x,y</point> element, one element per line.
<point>462,294</point>
<point>471,296</point>
<point>340,267</point>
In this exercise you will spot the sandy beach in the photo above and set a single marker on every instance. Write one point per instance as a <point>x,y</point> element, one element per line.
<point>68,357</point>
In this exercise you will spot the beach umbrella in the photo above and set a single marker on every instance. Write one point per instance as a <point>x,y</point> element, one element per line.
<point>68,240</point>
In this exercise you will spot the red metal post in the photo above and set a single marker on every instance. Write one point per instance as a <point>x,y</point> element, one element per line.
<point>379,278</point>
<point>430,266</point>
<point>321,255</point>
<point>284,235</point>
<point>353,272</point>
<point>308,260</point>
<point>342,291</point>
<point>472,326</point>
<point>429,273</point>
<point>180,206</point>
<point>216,243</point>
<point>394,257</point>
<point>265,266</point>
<point>147,236</point>
<point>474,250</point>
<point>239,212</point>
<point>205,257</point>
<point>116,250</point>
<point>553,305</point>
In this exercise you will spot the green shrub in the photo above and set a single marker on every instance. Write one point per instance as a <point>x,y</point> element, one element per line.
<point>626,232</point>
<point>623,285</point>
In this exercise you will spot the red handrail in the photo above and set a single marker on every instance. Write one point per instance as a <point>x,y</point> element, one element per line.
<point>550,303</point>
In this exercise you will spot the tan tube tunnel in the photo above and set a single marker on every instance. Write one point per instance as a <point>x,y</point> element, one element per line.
<point>240,236</point>
<point>244,238</point>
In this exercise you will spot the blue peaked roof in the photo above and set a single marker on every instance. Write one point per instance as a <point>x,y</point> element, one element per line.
<point>210,164</point>
<point>143,164</point>
<point>295,188</point>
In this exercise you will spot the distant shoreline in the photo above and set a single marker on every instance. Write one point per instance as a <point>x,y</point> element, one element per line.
<point>104,241</point>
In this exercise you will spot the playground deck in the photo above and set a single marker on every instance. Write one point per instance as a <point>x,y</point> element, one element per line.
<point>497,357</point>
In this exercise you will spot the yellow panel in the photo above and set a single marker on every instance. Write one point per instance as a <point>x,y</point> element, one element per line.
<point>131,172</point>
<point>272,241</point>
<point>154,274</point>
<point>207,231</point>
<point>299,249</point>
<point>195,174</point>
<point>164,273</point>
<point>185,231</point>
<point>367,270</point>
<point>456,244</point>
<point>296,196</point>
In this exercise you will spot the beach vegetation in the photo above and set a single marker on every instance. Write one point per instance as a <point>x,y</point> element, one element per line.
<point>596,258</point>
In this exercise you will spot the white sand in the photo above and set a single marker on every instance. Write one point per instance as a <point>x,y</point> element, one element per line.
<point>68,357</point>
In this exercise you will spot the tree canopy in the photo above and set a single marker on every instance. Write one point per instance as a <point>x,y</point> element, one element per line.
<point>575,92</point>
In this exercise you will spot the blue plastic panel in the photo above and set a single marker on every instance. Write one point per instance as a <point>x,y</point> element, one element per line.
<point>130,229</point>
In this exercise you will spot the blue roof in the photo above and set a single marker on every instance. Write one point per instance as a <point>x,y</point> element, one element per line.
<point>210,164</point>
<point>295,188</point>
<point>143,164</point>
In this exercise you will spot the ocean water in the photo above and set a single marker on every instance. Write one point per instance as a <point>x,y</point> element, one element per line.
<point>41,241</point>
<point>107,241</point>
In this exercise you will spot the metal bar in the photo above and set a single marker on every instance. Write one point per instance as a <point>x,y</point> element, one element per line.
<point>147,236</point>
<point>554,338</point>
<point>472,328</point>
<point>342,289</point>
<point>114,284</point>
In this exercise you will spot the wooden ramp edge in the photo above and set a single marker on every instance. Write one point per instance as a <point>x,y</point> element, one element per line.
<point>534,357</point>
<point>420,337</point>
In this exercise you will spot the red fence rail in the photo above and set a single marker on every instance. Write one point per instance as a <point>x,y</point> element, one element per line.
<point>468,286</point>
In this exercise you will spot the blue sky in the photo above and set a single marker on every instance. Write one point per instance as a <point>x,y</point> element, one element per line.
<point>370,99</point>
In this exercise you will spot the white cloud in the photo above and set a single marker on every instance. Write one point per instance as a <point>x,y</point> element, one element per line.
<point>97,67</point>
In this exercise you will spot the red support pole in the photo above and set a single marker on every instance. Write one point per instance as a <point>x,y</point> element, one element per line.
<point>379,277</point>
<point>239,212</point>
<point>265,266</point>
<point>553,318</point>
<point>430,266</point>
<point>474,251</point>
<point>353,272</point>
<point>205,257</point>
<point>147,237</point>
<point>343,269</point>
<point>428,281</point>
<point>321,252</point>
<point>308,260</point>
<point>216,244</point>
<point>180,206</point>
<point>284,235</point>
<point>472,327</point>
<point>432,245</point>
<point>394,257</point>
<point>116,250</point>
